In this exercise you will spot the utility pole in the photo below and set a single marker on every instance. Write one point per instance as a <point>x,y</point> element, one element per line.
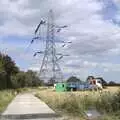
<point>50,71</point>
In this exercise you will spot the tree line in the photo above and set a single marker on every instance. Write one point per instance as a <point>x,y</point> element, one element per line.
<point>104,82</point>
<point>11,77</point>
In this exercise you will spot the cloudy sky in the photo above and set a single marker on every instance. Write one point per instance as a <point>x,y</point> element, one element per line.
<point>93,28</point>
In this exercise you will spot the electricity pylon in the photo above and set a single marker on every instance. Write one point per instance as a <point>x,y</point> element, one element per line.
<point>50,71</point>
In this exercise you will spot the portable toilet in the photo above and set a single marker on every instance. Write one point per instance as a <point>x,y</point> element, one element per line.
<point>61,87</point>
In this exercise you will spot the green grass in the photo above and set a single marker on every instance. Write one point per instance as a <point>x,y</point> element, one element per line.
<point>75,103</point>
<point>5,98</point>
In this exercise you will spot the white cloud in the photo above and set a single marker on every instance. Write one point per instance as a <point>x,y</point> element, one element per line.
<point>94,39</point>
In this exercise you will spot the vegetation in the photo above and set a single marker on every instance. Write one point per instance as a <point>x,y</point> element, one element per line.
<point>25,79</point>
<point>5,98</point>
<point>76,103</point>
<point>73,79</point>
<point>7,69</point>
<point>108,103</point>
<point>11,77</point>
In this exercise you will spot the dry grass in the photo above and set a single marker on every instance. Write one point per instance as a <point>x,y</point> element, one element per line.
<point>112,89</point>
<point>75,103</point>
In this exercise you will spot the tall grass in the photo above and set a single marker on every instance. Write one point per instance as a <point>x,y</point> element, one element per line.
<point>72,103</point>
<point>78,102</point>
<point>109,103</point>
<point>5,98</point>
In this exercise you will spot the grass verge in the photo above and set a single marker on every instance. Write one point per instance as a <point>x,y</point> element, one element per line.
<point>6,97</point>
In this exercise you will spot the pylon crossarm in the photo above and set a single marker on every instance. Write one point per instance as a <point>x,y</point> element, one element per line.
<point>42,22</point>
<point>39,52</point>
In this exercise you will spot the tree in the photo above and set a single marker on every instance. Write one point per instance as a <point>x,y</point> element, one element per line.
<point>18,80</point>
<point>112,83</point>
<point>12,77</point>
<point>10,69</point>
<point>90,77</point>
<point>9,65</point>
<point>7,69</point>
<point>73,79</point>
<point>3,80</point>
<point>30,77</point>
<point>2,74</point>
<point>25,79</point>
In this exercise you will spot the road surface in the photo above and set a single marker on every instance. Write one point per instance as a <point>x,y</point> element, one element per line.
<point>27,106</point>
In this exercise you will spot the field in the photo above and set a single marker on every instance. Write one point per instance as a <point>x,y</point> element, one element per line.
<point>74,104</point>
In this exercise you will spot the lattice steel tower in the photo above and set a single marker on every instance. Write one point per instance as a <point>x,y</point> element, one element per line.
<point>50,70</point>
